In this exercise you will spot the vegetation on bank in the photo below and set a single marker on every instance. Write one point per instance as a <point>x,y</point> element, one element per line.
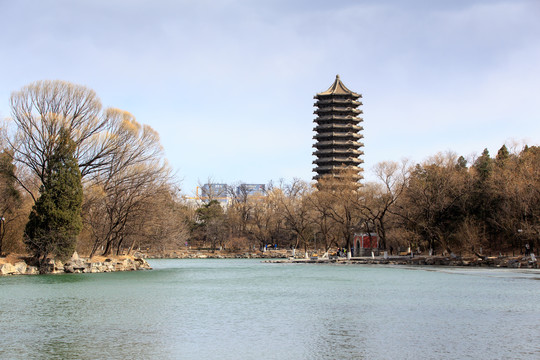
<point>446,204</point>
<point>76,176</point>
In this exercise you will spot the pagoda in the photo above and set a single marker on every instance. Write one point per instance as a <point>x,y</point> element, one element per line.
<point>337,132</point>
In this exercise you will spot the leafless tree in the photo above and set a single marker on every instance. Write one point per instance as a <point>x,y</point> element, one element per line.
<point>135,172</point>
<point>378,198</point>
<point>296,211</point>
<point>41,109</point>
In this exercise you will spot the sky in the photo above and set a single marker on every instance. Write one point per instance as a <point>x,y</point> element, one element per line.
<point>229,84</point>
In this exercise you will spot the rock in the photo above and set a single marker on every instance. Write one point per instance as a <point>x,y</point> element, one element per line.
<point>7,269</point>
<point>58,267</point>
<point>32,270</point>
<point>21,267</point>
<point>75,265</point>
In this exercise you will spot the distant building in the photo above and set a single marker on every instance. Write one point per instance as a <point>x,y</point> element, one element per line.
<point>224,193</point>
<point>213,191</point>
<point>337,132</point>
<point>250,189</point>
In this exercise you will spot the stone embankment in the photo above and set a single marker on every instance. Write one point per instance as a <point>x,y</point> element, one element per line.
<point>75,265</point>
<point>525,262</point>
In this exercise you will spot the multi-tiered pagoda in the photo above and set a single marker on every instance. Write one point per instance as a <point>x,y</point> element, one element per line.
<point>338,132</point>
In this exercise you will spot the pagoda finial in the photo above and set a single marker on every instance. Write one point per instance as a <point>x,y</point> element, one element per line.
<point>337,77</point>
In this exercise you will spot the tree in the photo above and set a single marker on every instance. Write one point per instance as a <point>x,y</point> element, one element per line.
<point>435,202</point>
<point>343,196</point>
<point>133,173</point>
<point>10,198</point>
<point>502,156</point>
<point>297,212</point>
<point>55,220</point>
<point>378,199</point>
<point>265,224</point>
<point>40,110</point>
<point>320,204</point>
<point>211,223</point>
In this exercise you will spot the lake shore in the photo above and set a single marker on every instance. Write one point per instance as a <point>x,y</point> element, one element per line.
<point>22,265</point>
<point>285,256</point>
<point>514,262</point>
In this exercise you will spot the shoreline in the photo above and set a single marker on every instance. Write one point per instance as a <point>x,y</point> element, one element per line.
<point>18,265</point>
<point>512,262</point>
<point>285,257</point>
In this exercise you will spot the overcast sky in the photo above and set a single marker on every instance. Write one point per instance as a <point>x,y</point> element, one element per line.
<point>229,84</point>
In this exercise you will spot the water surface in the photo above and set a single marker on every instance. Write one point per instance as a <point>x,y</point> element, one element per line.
<point>245,309</point>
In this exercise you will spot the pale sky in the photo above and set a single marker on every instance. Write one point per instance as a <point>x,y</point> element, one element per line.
<point>229,84</point>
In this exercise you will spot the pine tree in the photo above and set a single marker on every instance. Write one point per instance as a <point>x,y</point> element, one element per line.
<point>502,156</point>
<point>10,199</point>
<point>484,165</point>
<point>55,220</point>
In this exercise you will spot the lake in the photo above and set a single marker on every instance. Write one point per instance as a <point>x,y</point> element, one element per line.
<point>246,309</point>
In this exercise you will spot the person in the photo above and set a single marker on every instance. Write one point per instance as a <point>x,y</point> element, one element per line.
<point>391,250</point>
<point>527,249</point>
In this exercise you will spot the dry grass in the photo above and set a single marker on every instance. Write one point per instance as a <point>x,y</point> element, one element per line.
<point>12,259</point>
<point>100,258</point>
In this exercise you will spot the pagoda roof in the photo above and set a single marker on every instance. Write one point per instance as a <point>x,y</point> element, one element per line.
<point>338,151</point>
<point>337,88</point>
<point>338,117</point>
<point>336,143</point>
<point>348,126</point>
<point>326,101</point>
<point>337,109</point>
<point>334,168</point>
<point>342,160</point>
<point>338,135</point>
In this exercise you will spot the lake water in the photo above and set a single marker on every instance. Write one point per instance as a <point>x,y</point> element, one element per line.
<point>245,309</point>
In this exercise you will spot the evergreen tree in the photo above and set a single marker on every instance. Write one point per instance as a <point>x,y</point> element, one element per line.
<point>461,163</point>
<point>502,156</point>
<point>10,199</point>
<point>55,220</point>
<point>484,165</point>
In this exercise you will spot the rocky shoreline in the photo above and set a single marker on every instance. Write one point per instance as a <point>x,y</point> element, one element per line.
<point>516,262</point>
<point>285,256</point>
<point>76,265</point>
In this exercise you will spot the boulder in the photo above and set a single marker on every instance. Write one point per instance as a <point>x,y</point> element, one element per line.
<point>21,267</point>
<point>32,270</point>
<point>7,269</point>
<point>58,267</point>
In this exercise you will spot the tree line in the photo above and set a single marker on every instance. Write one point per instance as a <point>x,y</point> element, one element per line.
<point>443,205</point>
<point>74,175</point>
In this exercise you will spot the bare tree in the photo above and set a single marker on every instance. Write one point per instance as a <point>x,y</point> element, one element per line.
<point>436,199</point>
<point>378,198</point>
<point>134,173</point>
<point>41,109</point>
<point>342,196</point>
<point>296,211</point>
<point>324,225</point>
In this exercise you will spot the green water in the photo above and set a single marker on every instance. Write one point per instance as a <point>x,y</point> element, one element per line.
<point>245,309</point>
